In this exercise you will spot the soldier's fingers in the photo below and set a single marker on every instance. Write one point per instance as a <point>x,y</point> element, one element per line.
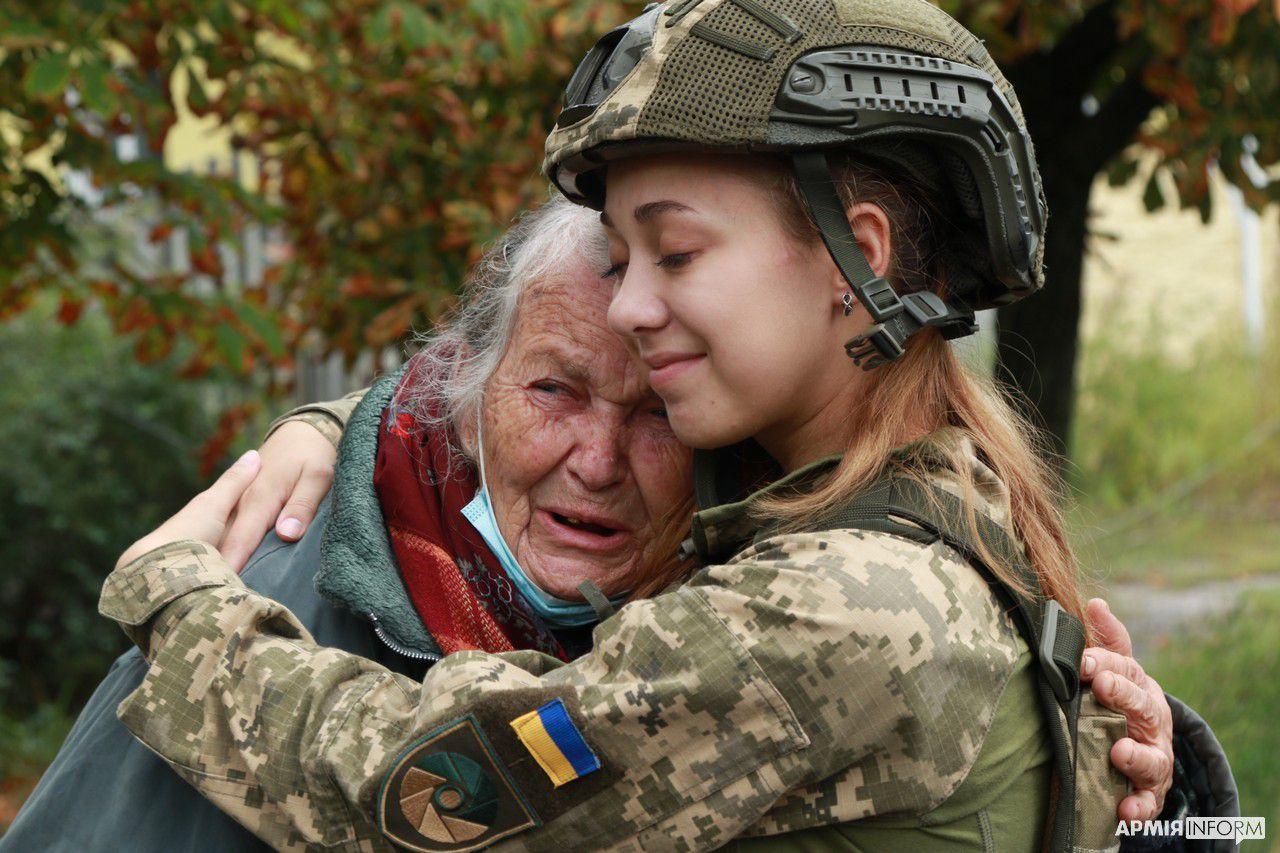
<point>313,484</point>
<point>1139,708</point>
<point>1140,805</point>
<point>221,498</point>
<point>1148,767</point>
<point>1099,660</point>
<point>253,519</point>
<point>1109,630</point>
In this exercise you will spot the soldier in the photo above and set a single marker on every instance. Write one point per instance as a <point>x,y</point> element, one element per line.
<point>881,649</point>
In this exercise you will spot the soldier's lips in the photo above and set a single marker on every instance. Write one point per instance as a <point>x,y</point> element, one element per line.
<point>582,534</point>
<point>665,370</point>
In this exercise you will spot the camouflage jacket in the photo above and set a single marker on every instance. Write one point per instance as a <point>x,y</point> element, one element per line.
<point>811,678</point>
<point>329,418</point>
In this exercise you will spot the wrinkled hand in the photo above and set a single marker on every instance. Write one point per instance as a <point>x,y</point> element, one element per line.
<point>205,516</point>
<point>1119,682</point>
<point>297,470</point>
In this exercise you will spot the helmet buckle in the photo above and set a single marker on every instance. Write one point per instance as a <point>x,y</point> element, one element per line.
<point>874,347</point>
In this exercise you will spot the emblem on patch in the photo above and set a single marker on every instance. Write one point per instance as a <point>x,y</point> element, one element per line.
<point>555,743</point>
<point>450,792</point>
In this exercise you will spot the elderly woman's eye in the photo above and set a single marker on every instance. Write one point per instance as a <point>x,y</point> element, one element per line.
<point>546,386</point>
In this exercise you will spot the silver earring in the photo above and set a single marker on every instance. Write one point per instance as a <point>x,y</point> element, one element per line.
<point>848,304</point>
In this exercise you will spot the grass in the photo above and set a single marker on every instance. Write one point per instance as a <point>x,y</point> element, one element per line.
<point>1229,675</point>
<point>1207,538</point>
<point>1176,460</point>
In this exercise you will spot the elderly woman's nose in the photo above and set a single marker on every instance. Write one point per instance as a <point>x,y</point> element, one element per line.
<point>636,306</point>
<point>597,460</point>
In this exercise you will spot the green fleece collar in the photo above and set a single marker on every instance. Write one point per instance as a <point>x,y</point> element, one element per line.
<point>358,569</point>
<point>719,532</point>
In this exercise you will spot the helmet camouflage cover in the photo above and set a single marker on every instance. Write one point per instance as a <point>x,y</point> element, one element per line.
<point>895,80</point>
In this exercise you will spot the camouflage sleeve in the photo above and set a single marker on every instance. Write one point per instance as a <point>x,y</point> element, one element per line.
<point>692,715</point>
<point>329,418</point>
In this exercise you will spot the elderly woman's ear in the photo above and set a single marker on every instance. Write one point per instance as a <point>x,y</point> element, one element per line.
<point>468,438</point>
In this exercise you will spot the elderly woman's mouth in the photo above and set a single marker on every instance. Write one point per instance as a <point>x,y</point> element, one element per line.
<point>592,533</point>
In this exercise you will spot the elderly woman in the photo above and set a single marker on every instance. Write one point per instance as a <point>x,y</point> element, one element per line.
<point>582,472</point>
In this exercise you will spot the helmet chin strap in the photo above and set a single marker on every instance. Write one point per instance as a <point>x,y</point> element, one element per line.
<point>895,318</point>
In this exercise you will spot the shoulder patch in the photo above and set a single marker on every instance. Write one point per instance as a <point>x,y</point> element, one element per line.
<point>449,791</point>
<point>555,743</point>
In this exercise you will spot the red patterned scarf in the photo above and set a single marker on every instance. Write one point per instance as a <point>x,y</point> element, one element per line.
<point>461,593</point>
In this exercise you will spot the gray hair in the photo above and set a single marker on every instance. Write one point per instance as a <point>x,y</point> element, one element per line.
<point>460,355</point>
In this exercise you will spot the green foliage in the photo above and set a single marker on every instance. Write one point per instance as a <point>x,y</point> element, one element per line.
<point>1214,69</point>
<point>1227,676</point>
<point>395,137</point>
<point>28,743</point>
<point>1176,458</point>
<point>1147,420</point>
<point>98,450</point>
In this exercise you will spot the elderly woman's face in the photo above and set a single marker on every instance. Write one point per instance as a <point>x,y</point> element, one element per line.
<point>580,462</point>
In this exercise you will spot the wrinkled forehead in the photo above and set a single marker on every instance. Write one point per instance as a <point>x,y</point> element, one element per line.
<point>561,319</point>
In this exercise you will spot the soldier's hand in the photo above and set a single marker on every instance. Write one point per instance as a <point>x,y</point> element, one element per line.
<point>205,516</point>
<point>297,470</point>
<point>1119,682</point>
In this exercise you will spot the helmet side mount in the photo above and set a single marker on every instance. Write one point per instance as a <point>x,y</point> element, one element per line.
<point>846,97</point>
<point>895,318</point>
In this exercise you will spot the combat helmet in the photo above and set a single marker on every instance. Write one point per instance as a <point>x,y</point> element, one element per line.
<point>893,80</point>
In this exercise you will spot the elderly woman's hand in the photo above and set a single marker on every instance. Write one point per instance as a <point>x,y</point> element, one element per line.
<point>297,471</point>
<point>1119,682</point>
<point>205,516</point>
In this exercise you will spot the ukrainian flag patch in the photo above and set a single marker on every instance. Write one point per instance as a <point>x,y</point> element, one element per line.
<point>555,743</point>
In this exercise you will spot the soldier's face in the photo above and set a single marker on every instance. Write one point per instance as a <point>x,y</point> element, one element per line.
<point>580,461</point>
<point>739,321</point>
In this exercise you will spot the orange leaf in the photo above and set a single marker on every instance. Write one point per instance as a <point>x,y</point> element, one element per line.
<point>206,261</point>
<point>230,425</point>
<point>198,365</point>
<point>69,310</point>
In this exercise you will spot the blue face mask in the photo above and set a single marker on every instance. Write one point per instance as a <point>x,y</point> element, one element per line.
<point>556,612</point>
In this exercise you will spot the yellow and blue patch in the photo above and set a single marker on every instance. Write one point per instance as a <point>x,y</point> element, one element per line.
<point>555,743</point>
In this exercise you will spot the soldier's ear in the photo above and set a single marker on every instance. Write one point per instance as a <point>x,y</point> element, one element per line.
<point>871,229</point>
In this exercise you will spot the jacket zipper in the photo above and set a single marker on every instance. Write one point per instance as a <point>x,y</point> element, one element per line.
<point>413,654</point>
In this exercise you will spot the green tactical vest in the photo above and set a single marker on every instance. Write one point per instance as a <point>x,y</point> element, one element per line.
<point>1022,792</point>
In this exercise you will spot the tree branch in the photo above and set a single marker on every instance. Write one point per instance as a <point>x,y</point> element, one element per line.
<point>1085,49</point>
<point>1067,71</point>
<point>1107,133</point>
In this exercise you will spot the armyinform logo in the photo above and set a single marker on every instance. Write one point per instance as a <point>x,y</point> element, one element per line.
<point>1211,828</point>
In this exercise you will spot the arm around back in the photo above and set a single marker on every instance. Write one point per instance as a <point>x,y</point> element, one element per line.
<point>692,715</point>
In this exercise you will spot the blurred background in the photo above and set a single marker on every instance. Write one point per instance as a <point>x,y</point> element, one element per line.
<point>210,211</point>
